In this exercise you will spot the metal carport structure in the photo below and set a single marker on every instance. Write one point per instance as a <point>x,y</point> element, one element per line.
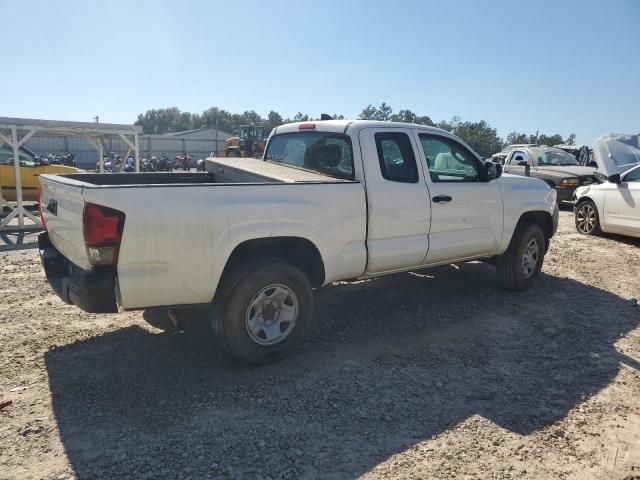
<point>16,131</point>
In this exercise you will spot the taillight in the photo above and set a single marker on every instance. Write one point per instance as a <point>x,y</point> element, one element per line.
<point>44,222</point>
<point>307,126</point>
<point>102,230</point>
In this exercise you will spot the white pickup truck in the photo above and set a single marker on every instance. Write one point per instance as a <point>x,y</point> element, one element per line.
<point>249,239</point>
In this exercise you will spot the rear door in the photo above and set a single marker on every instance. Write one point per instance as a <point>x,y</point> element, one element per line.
<point>398,206</point>
<point>622,204</point>
<point>466,213</point>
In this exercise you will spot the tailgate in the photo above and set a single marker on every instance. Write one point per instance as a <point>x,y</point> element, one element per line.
<point>62,207</point>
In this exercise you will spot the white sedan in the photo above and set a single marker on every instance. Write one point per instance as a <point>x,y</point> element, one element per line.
<point>612,206</point>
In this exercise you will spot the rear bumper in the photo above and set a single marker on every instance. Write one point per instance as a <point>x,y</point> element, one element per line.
<point>92,291</point>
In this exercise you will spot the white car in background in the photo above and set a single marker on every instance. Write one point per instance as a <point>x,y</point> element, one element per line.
<point>612,206</point>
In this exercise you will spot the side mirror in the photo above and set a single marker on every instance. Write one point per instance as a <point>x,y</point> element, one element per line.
<point>492,171</point>
<point>523,163</point>
<point>614,178</point>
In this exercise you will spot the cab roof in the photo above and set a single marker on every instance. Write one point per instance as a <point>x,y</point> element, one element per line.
<point>345,126</point>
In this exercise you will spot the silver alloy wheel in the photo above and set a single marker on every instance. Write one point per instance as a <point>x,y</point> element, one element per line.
<point>272,314</point>
<point>586,218</point>
<point>530,258</point>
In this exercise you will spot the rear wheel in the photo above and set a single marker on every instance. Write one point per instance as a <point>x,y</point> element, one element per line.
<point>520,265</point>
<point>263,311</point>
<point>586,216</point>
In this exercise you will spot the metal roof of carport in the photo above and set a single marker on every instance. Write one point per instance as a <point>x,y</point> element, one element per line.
<point>16,131</point>
<point>63,127</point>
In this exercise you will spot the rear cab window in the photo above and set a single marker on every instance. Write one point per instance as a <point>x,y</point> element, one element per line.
<point>396,157</point>
<point>326,153</point>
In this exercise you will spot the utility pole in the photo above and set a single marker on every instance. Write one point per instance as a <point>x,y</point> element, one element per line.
<point>96,118</point>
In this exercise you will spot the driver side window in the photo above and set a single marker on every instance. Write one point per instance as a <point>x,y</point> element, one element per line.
<point>519,156</point>
<point>633,176</point>
<point>6,157</point>
<point>449,161</point>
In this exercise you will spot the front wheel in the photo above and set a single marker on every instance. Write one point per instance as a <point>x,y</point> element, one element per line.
<point>520,265</point>
<point>268,308</point>
<point>586,216</point>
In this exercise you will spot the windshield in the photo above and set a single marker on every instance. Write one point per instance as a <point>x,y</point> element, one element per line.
<point>558,158</point>
<point>322,152</point>
<point>26,158</point>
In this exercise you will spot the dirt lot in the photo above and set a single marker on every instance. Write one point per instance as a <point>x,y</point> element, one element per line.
<point>435,374</point>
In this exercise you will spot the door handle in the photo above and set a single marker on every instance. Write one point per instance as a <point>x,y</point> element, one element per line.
<point>442,198</point>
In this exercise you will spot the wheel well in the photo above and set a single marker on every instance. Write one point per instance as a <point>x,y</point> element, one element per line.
<point>584,199</point>
<point>540,218</point>
<point>294,250</point>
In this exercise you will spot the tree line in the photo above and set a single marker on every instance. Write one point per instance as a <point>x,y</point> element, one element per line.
<point>483,138</point>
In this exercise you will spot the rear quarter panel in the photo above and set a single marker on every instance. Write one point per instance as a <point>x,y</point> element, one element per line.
<point>176,240</point>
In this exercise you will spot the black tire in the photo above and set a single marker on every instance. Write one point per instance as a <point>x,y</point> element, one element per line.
<point>510,266</point>
<point>586,218</point>
<point>241,289</point>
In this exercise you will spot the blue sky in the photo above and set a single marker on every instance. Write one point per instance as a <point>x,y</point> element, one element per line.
<point>554,66</point>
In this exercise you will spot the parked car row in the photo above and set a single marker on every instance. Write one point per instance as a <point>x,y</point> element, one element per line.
<point>31,167</point>
<point>613,204</point>
<point>559,169</point>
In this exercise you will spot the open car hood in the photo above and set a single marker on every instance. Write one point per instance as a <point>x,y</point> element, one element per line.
<point>616,153</point>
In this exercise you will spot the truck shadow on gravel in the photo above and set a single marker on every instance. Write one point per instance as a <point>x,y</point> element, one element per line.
<point>391,362</point>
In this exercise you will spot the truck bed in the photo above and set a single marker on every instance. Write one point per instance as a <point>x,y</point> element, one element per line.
<point>219,170</point>
<point>180,228</point>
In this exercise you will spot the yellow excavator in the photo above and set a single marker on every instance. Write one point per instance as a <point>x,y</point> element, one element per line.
<point>250,143</point>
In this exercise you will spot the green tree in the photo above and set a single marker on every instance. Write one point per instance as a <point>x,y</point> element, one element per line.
<point>384,112</point>
<point>424,120</point>
<point>517,137</point>
<point>407,116</point>
<point>480,136</point>
<point>301,117</point>
<point>273,120</point>
<point>251,118</point>
<point>540,138</point>
<point>369,113</point>
<point>165,120</point>
<point>550,140</point>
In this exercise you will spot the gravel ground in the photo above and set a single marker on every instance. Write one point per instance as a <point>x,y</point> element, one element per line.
<point>434,374</point>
